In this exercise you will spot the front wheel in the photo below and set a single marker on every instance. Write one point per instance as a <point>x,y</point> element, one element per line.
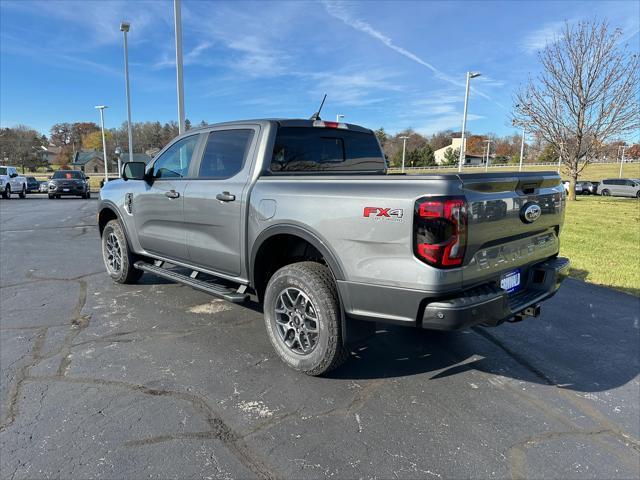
<point>303,318</point>
<point>118,259</point>
<point>7,192</point>
<point>606,193</point>
<point>23,193</point>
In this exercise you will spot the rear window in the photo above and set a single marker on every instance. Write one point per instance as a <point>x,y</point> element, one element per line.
<point>313,149</point>
<point>3,170</point>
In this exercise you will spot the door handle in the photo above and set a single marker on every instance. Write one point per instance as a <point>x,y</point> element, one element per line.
<point>171,194</point>
<point>226,197</point>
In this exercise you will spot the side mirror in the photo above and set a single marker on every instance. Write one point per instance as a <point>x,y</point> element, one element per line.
<point>13,175</point>
<point>134,171</point>
<point>87,177</point>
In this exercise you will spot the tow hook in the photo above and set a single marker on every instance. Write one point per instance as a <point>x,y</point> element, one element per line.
<point>532,311</point>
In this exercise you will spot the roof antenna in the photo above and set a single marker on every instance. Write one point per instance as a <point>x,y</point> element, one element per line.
<point>316,116</point>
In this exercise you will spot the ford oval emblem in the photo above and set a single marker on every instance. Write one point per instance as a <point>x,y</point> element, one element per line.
<point>530,212</point>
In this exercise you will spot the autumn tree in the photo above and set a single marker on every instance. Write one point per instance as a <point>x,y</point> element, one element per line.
<point>585,95</point>
<point>21,145</point>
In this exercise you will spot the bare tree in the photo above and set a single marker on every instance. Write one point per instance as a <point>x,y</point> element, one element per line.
<point>585,95</point>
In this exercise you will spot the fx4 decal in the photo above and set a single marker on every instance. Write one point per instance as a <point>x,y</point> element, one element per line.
<point>380,213</point>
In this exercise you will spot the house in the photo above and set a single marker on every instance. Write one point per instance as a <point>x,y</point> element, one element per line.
<point>455,145</point>
<point>91,161</point>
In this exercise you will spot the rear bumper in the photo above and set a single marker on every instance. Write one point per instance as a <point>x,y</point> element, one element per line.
<point>487,304</point>
<point>490,305</point>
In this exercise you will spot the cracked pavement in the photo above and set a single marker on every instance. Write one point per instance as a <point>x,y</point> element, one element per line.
<point>157,380</point>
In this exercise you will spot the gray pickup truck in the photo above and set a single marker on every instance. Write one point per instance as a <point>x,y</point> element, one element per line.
<point>302,216</point>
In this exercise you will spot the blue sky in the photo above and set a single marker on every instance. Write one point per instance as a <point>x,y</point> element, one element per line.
<point>391,64</point>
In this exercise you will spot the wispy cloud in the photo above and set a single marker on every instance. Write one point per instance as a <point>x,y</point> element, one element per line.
<point>538,39</point>
<point>339,11</point>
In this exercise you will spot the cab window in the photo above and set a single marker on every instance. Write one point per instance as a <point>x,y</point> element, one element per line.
<point>225,153</point>
<point>175,161</point>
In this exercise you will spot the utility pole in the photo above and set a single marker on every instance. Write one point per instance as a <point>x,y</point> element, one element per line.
<point>521,150</point>
<point>104,142</point>
<point>462,156</point>
<point>486,164</point>
<point>179,79</point>
<point>623,147</point>
<point>124,28</point>
<point>404,149</point>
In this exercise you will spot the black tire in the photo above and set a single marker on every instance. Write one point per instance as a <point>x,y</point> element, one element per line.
<point>605,193</point>
<point>7,192</point>
<point>317,285</point>
<point>88,195</point>
<point>58,197</point>
<point>114,241</point>
<point>23,193</point>
<point>638,194</point>
<point>50,197</point>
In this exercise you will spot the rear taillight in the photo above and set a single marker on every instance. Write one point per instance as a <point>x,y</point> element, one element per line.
<point>440,231</point>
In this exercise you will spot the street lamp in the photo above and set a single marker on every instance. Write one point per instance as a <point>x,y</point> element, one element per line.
<point>338,117</point>
<point>470,75</point>
<point>486,164</point>
<point>179,80</point>
<point>104,142</point>
<point>124,28</point>
<point>404,149</point>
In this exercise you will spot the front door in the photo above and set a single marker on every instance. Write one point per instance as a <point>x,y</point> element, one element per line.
<point>214,201</point>
<point>158,208</point>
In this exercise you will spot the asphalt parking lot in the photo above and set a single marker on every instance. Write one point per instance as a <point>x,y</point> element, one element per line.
<point>157,380</point>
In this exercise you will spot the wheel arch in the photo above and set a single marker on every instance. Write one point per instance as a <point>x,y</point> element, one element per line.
<point>286,234</point>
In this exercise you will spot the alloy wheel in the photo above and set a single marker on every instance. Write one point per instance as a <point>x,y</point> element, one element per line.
<point>296,321</point>
<point>114,253</point>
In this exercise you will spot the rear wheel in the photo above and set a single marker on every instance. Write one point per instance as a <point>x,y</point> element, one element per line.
<point>638,194</point>
<point>303,318</point>
<point>118,259</point>
<point>606,193</point>
<point>23,193</point>
<point>7,192</point>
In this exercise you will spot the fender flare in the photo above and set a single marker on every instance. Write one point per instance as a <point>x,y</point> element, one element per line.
<point>108,205</point>
<point>288,229</point>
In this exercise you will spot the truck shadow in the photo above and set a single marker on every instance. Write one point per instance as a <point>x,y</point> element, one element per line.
<point>587,340</point>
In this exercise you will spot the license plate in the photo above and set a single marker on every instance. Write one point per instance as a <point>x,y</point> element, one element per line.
<point>65,189</point>
<point>510,281</point>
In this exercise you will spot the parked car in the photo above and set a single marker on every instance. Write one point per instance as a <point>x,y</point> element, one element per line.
<point>43,187</point>
<point>593,187</point>
<point>621,187</point>
<point>301,215</point>
<point>33,185</point>
<point>12,182</point>
<point>583,188</point>
<point>69,182</point>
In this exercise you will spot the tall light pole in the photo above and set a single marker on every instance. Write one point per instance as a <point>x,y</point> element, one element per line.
<point>338,117</point>
<point>561,144</point>
<point>623,147</point>
<point>470,75</point>
<point>486,164</point>
<point>104,142</point>
<point>404,149</point>
<point>179,80</point>
<point>124,28</point>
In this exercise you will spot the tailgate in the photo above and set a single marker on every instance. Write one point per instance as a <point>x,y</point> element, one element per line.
<point>514,219</point>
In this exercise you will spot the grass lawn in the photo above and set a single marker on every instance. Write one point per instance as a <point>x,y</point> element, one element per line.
<point>601,237</point>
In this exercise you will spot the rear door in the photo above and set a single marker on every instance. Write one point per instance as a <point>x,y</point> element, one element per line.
<point>513,221</point>
<point>158,206</point>
<point>215,199</point>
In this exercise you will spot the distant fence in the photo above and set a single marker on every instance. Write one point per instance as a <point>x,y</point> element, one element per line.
<point>503,166</point>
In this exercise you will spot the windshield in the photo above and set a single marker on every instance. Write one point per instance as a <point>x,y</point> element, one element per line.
<point>69,174</point>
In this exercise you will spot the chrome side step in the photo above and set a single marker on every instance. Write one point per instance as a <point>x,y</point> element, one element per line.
<point>226,293</point>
